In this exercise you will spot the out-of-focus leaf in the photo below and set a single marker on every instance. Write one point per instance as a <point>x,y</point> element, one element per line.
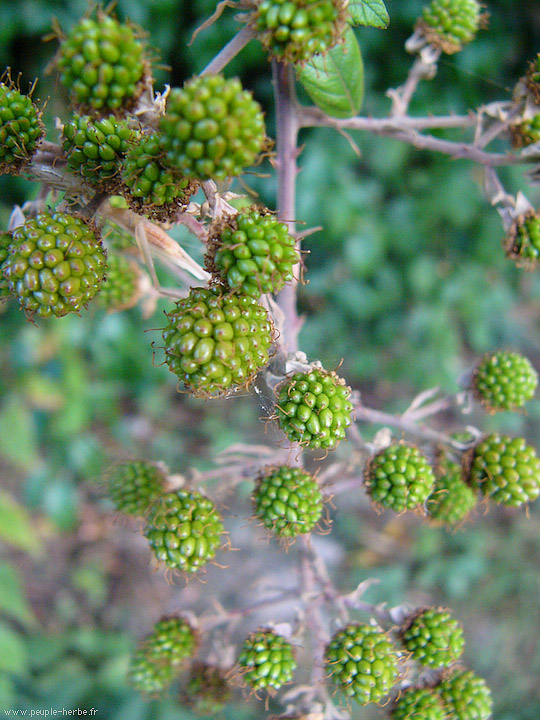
<point>335,81</point>
<point>13,657</point>
<point>12,599</point>
<point>369,12</point>
<point>17,434</point>
<point>16,526</point>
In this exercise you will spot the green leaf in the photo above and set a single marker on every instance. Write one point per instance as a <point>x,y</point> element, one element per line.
<point>335,81</point>
<point>16,525</point>
<point>18,442</point>
<point>13,657</point>
<point>12,599</point>
<point>372,13</point>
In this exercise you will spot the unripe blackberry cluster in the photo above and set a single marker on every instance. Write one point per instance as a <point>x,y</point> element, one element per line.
<point>5,242</point>
<point>212,128</point>
<point>451,499</point>
<point>184,530</point>
<point>451,24</point>
<point>95,147</point>
<point>102,63</point>
<point>217,342</point>
<point>313,408</point>
<point>433,637</point>
<point>420,704</point>
<point>522,242</point>
<point>287,500</point>
<point>363,662</point>
<point>399,477</point>
<point>150,181</point>
<point>504,381</point>
<point>55,265</point>
<point>295,30</point>
<point>20,129</point>
<point>266,660</point>
<point>466,695</point>
<point>253,253</point>
<point>135,486</point>
<point>121,287</point>
<point>504,469</point>
<point>158,658</point>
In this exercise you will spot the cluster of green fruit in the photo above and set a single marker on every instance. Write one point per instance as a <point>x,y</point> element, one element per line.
<point>504,469</point>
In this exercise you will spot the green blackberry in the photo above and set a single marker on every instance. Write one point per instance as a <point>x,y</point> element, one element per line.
<point>55,265</point>
<point>433,637</point>
<point>5,242</point>
<point>95,147</point>
<point>295,30</point>
<point>399,477</point>
<point>266,660</point>
<point>504,381</point>
<point>451,499</point>
<point>451,24</point>
<point>287,500</point>
<point>504,469</point>
<point>466,695</point>
<point>172,641</point>
<point>102,63</point>
<point>313,408</point>
<point>522,242</point>
<point>158,658</point>
<point>216,342</point>
<point>253,253</point>
<point>148,676</point>
<point>362,662</point>
<point>212,128</point>
<point>20,129</point>
<point>121,286</point>
<point>419,704</point>
<point>151,183</point>
<point>184,530</point>
<point>134,486</point>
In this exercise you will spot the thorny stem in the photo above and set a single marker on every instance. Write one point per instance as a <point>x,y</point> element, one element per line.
<point>402,422</point>
<point>231,49</point>
<point>402,96</point>
<point>287,127</point>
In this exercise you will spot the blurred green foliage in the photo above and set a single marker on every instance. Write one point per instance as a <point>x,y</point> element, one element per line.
<point>407,283</point>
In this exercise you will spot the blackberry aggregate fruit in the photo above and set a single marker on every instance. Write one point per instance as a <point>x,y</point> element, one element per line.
<point>451,24</point>
<point>399,477</point>
<point>20,128</point>
<point>96,147</point>
<point>217,342</point>
<point>433,637</point>
<point>419,704</point>
<point>133,486</point>
<point>102,63</point>
<point>184,530</point>
<point>55,265</point>
<point>313,408</point>
<point>363,662</point>
<point>266,660</point>
<point>287,500</point>
<point>296,30</point>
<point>522,242</point>
<point>451,499</point>
<point>466,695</point>
<point>504,381</point>
<point>252,253</point>
<point>121,288</point>
<point>151,183</point>
<point>504,469</point>
<point>212,128</point>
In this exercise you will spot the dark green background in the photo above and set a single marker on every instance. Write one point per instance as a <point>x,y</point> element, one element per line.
<point>408,284</point>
